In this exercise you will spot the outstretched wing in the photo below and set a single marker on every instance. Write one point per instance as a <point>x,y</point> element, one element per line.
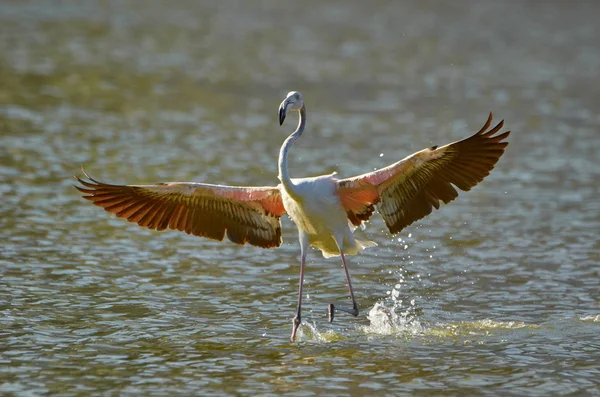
<point>245,214</point>
<point>406,191</point>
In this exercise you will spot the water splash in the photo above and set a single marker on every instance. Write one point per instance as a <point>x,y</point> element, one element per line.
<point>475,329</point>
<point>393,316</point>
<point>309,331</point>
<point>592,318</point>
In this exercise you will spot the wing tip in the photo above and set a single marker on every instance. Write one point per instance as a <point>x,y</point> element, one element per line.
<point>486,125</point>
<point>81,180</point>
<point>90,183</point>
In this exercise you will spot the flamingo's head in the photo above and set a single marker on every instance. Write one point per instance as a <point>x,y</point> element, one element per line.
<point>293,101</point>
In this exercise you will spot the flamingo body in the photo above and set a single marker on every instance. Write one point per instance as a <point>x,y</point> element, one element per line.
<point>317,211</point>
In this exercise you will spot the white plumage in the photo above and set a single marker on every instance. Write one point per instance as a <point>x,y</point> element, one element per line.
<point>318,213</point>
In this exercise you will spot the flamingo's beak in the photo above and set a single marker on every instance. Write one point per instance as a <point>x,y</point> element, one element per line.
<point>281,113</point>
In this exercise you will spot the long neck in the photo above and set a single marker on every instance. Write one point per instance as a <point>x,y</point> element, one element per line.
<point>284,175</point>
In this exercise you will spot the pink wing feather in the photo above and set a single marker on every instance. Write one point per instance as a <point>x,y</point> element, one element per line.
<point>407,191</point>
<point>245,214</point>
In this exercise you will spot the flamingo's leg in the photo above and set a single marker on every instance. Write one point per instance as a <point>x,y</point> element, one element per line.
<point>332,307</point>
<point>297,318</point>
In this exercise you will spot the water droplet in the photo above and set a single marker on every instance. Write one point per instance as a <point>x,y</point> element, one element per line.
<point>380,154</point>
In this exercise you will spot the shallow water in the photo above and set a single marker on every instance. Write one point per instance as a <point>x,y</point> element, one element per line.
<point>496,293</point>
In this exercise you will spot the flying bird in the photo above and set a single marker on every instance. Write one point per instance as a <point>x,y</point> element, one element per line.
<point>324,208</point>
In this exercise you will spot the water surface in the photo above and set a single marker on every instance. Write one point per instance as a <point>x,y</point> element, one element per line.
<point>496,293</point>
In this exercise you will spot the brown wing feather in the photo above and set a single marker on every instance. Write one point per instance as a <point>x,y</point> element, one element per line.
<point>245,214</point>
<point>408,190</point>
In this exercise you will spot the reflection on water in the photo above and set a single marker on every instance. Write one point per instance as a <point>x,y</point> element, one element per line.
<point>496,292</point>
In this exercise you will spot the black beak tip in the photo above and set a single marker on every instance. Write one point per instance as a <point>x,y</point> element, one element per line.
<point>281,116</point>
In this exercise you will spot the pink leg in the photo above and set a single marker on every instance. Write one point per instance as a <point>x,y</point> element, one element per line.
<point>354,310</point>
<point>297,317</point>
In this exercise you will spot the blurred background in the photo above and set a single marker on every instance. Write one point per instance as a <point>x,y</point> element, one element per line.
<point>497,292</point>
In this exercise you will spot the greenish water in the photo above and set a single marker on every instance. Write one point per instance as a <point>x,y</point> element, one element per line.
<point>498,293</point>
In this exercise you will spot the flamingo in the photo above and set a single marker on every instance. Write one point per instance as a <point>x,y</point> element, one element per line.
<point>324,208</point>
